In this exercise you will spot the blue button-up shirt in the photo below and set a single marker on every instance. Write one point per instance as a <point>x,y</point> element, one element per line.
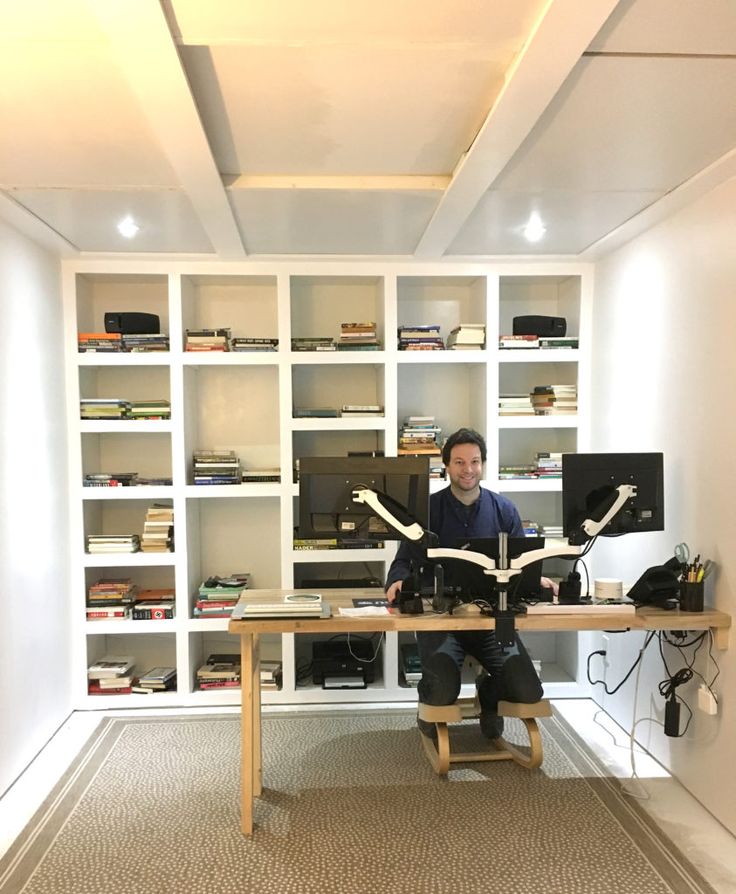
<point>453,521</point>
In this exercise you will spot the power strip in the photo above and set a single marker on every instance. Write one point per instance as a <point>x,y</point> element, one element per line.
<point>707,702</point>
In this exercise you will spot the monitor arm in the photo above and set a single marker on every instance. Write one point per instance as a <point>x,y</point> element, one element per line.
<point>395,515</point>
<point>607,510</point>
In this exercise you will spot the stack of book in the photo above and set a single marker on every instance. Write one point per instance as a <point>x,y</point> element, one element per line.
<point>113,543</point>
<point>313,343</point>
<point>221,671</point>
<point>99,342</point>
<point>217,596</point>
<point>145,343</point>
<point>104,408</point>
<point>555,400</point>
<point>158,530</point>
<point>551,532</point>
<point>257,476</point>
<point>549,465</point>
<point>241,343</point>
<point>316,412</point>
<point>308,543</point>
<point>271,674</point>
<point>156,604</point>
<point>568,342</point>
<point>411,665</point>
<point>420,338</point>
<point>515,404</point>
<point>467,337</point>
<point>111,599</point>
<point>358,337</point>
<point>348,410</point>
<point>157,679</point>
<point>531,528</point>
<point>216,467</point>
<point>518,341</point>
<point>110,479</point>
<point>420,436</point>
<point>207,340</point>
<point>150,409</point>
<point>520,470</point>
<point>111,675</point>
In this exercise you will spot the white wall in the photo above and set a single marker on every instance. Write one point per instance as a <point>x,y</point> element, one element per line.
<point>34,627</point>
<point>665,379</point>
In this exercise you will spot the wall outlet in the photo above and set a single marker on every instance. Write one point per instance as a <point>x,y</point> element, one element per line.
<point>706,700</point>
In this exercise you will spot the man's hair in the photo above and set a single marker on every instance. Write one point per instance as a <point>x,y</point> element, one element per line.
<point>463,436</point>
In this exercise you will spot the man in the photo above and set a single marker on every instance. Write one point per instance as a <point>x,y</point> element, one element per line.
<point>464,510</point>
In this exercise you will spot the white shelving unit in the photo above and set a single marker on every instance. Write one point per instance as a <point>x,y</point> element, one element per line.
<point>244,402</point>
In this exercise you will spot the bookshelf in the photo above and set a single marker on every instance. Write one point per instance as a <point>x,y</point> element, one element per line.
<point>244,401</point>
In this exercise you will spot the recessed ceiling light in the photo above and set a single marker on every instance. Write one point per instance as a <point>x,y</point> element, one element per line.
<point>128,227</point>
<point>534,229</point>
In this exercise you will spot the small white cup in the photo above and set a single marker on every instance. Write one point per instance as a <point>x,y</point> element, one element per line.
<point>608,588</point>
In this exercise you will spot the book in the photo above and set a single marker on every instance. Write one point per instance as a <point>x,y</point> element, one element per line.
<point>110,666</point>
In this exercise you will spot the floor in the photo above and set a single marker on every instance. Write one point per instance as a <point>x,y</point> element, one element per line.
<point>707,844</point>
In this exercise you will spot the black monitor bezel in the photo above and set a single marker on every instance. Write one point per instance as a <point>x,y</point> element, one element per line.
<point>376,472</point>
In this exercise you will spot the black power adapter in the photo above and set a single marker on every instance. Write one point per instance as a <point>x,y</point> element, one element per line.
<point>569,590</point>
<point>672,718</point>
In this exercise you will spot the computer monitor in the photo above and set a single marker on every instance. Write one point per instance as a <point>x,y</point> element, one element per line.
<point>467,581</point>
<point>326,485</point>
<point>588,491</point>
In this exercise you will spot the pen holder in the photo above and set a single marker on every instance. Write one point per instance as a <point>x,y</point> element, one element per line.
<point>691,596</point>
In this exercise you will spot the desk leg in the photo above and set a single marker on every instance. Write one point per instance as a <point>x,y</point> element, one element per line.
<point>248,649</point>
<point>257,738</point>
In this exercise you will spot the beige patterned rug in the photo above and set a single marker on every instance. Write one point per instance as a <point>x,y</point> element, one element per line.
<point>151,806</point>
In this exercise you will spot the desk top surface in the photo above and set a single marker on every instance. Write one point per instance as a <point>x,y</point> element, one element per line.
<point>465,617</point>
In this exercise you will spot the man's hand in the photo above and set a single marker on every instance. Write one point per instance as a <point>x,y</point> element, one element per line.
<point>393,590</point>
<point>551,585</point>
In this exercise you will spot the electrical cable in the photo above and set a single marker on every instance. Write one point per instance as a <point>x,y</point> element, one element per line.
<point>649,638</point>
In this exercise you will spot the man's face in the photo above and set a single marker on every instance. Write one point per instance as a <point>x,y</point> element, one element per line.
<point>465,469</point>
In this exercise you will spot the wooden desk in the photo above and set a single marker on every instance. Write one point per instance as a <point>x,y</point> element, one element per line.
<point>464,618</point>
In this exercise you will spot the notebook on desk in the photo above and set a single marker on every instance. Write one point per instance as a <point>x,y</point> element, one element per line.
<point>585,608</point>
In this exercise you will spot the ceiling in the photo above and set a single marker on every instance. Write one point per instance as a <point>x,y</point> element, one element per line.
<point>406,128</point>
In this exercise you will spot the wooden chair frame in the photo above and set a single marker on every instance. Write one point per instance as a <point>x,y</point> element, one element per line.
<point>439,752</point>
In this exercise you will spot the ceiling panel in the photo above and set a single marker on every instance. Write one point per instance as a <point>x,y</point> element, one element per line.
<point>504,23</point>
<point>88,218</point>
<point>629,123</point>
<point>70,119</point>
<point>573,220</point>
<point>318,221</point>
<point>669,26</point>
<point>341,110</point>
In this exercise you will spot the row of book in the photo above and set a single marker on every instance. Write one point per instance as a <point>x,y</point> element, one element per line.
<point>112,599</point>
<point>531,342</point>
<point>346,411</point>
<point>544,400</point>
<point>224,467</point>
<point>116,342</point>
<point>427,337</point>
<point>122,479</point>
<point>222,339</point>
<point>546,465</point>
<point>118,408</point>
<point>115,675</point>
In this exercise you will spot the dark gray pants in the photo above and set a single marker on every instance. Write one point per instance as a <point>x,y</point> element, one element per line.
<point>510,672</point>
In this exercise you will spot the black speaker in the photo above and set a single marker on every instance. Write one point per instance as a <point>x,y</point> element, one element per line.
<point>536,325</point>
<point>132,323</point>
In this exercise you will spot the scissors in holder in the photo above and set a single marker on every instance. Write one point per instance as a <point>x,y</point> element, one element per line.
<point>682,553</point>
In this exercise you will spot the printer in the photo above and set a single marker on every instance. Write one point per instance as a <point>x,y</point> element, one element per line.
<point>334,667</point>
